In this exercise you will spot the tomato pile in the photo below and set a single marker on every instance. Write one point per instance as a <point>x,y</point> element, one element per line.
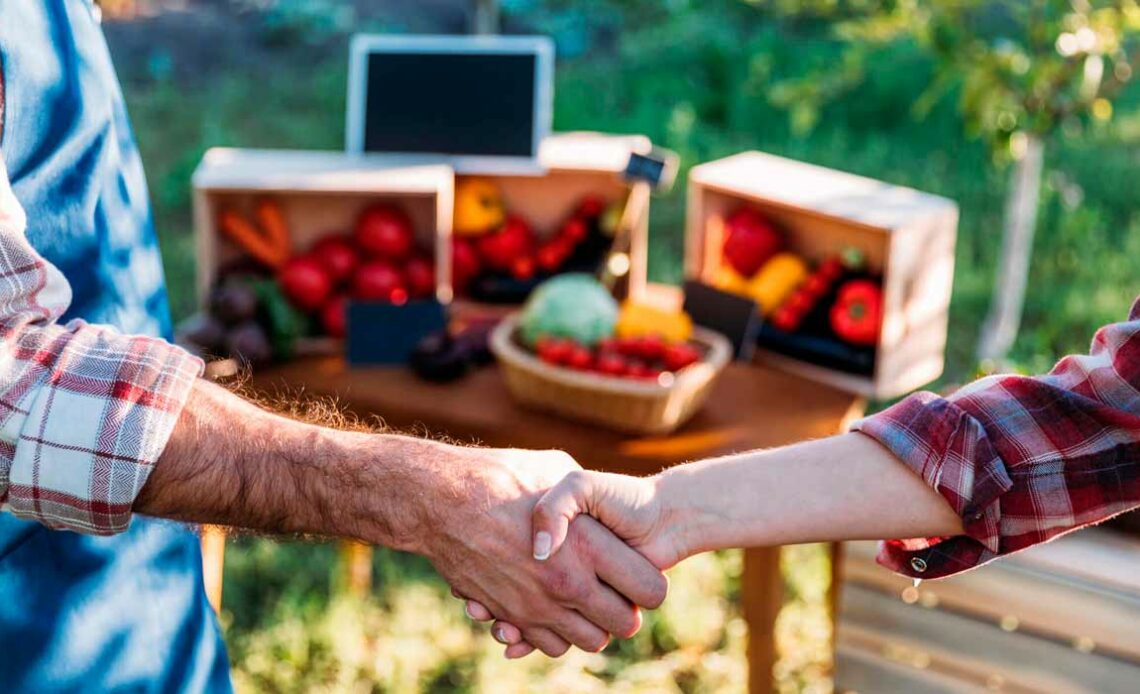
<point>496,254</point>
<point>378,261</point>
<point>646,357</point>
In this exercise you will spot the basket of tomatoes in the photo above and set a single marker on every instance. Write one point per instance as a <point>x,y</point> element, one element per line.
<point>575,352</point>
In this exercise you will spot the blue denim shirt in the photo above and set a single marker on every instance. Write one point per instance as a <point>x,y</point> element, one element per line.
<point>124,613</point>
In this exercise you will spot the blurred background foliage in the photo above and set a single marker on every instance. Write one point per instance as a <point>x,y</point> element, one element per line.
<point>875,87</point>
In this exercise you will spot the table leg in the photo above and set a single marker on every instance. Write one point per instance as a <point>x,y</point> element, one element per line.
<point>761,594</point>
<point>356,567</point>
<point>835,590</point>
<point>213,562</point>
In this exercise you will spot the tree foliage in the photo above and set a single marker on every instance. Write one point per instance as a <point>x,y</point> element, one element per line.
<point>1016,67</point>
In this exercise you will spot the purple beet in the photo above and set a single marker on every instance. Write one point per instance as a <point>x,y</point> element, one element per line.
<point>233,303</point>
<point>249,342</point>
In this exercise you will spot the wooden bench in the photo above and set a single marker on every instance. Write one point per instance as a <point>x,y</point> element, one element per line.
<point>1061,617</point>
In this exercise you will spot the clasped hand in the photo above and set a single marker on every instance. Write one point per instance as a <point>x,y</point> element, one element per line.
<point>585,586</point>
<point>563,527</point>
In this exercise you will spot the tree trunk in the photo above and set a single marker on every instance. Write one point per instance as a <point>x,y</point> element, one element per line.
<point>1000,328</point>
<point>485,19</point>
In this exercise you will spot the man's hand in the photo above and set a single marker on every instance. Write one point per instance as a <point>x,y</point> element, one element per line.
<point>480,542</point>
<point>467,509</point>
<point>629,506</point>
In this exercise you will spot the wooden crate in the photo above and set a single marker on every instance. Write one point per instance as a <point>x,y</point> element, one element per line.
<point>319,192</point>
<point>1061,617</point>
<point>575,165</point>
<point>906,235</point>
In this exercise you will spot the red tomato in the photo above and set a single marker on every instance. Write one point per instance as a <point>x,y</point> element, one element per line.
<point>750,241</point>
<point>379,281</point>
<point>579,358</point>
<point>385,232</point>
<point>680,355</point>
<point>800,302</point>
<point>832,268</point>
<point>420,274</point>
<point>499,249</point>
<point>523,268</point>
<point>786,320</point>
<point>818,284</point>
<point>337,255</point>
<point>608,345</point>
<point>305,282</point>
<point>642,371</point>
<point>591,206</point>
<point>552,254</point>
<point>333,316</point>
<point>651,347</point>
<point>611,364</point>
<point>465,265</point>
<point>574,230</point>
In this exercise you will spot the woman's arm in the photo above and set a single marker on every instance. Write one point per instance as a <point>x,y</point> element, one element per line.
<point>840,488</point>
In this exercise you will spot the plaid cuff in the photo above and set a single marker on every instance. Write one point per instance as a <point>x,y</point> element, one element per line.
<point>95,419</point>
<point>949,449</point>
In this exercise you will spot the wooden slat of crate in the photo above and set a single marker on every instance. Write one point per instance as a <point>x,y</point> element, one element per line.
<point>1083,586</point>
<point>974,653</point>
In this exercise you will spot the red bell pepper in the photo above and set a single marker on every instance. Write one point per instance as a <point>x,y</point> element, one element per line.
<point>857,312</point>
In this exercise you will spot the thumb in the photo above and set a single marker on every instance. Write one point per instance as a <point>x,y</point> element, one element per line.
<point>551,517</point>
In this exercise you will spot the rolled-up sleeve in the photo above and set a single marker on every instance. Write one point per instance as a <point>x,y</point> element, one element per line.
<point>85,411</point>
<point>1021,459</point>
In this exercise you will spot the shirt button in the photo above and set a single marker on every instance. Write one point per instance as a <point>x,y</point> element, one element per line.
<point>918,564</point>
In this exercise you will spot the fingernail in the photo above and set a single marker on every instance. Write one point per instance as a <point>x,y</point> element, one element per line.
<point>500,635</point>
<point>542,542</point>
<point>467,610</point>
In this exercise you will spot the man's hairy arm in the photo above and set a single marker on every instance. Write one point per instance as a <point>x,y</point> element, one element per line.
<point>466,509</point>
<point>230,462</point>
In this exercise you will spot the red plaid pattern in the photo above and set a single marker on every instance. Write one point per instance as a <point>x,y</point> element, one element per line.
<point>84,410</point>
<point>1022,459</point>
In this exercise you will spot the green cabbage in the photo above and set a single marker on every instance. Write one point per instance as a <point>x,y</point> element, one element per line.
<point>574,306</point>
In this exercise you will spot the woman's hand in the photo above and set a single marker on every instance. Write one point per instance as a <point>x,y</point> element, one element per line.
<point>631,507</point>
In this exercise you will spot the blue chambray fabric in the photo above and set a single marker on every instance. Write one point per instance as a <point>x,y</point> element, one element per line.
<point>125,613</point>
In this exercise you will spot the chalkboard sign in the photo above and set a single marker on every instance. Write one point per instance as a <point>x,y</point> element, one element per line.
<point>657,167</point>
<point>476,101</point>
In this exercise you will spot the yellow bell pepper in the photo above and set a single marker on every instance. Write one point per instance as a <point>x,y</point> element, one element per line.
<point>776,280</point>
<point>638,320</point>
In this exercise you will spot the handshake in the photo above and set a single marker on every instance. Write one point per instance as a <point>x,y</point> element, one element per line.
<point>557,555</point>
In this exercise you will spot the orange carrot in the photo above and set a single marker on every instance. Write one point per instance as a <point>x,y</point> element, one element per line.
<point>274,227</point>
<point>264,247</point>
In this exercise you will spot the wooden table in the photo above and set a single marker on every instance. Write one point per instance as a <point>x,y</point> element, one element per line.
<point>751,407</point>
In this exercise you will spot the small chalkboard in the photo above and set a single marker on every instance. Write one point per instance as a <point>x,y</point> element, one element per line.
<point>733,316</point>
<point>658,168</point>
<point>382,333</point>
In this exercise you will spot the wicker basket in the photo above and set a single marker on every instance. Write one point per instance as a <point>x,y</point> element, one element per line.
<point>634,406</point>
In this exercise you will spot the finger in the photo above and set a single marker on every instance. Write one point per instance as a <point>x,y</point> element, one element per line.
<point>611,612</point>
<point>506,633</point>
<point>580,631</point>
<point>620,566</point>
<point>551,517</point>
<point>518,650</point>
<point>546,641</point>
<point>477,612</point>
<point>456,594</point>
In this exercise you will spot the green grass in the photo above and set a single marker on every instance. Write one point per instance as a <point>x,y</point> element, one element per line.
<point>698,87</point>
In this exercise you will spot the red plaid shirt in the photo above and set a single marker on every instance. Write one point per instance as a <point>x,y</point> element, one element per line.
<point>84,411</point>
<point>1022,459</point>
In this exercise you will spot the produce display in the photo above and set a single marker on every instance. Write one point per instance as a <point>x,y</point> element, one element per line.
<point>377,260</point>
<point>571,321</point>
<point>829,315</point>
<point>498,257</point>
